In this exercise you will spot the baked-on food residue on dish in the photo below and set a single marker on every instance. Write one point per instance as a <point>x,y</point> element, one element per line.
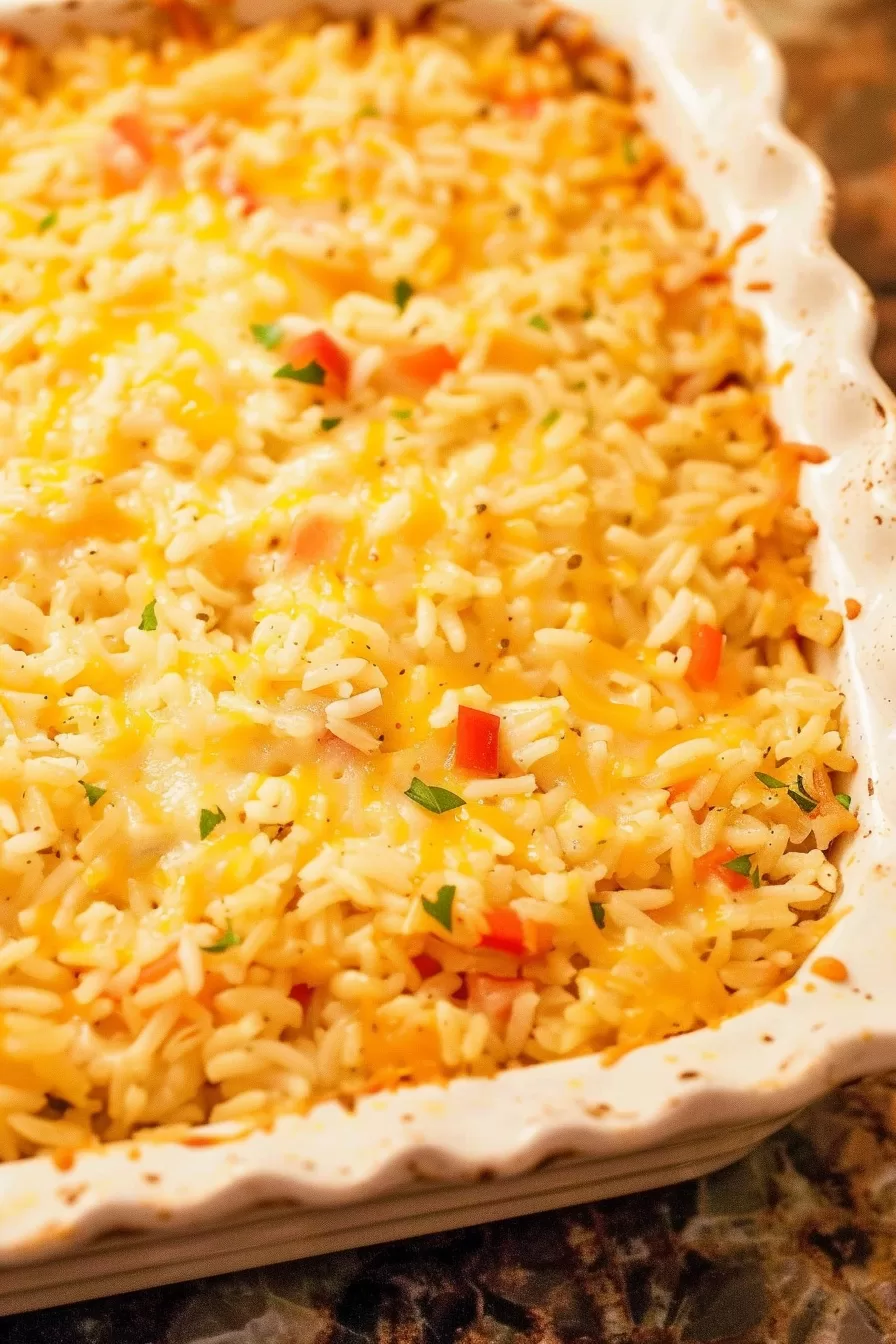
<point>404,587</point>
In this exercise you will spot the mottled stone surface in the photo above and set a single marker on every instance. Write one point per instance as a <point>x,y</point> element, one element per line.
<point>841,68</point>
<point>794,1245</point>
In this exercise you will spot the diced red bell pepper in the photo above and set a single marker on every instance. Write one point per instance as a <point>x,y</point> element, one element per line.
<point>706,657</point>
<point>236,190</point>
<point>319,348</point>
<point>477,740</point>
<point>425,366</point>
<point>505,933</point>
<point>133,129</point>
<point>426,965</point>
<point>526,107</point>
<point>712,864</point>
<point>127,154</point>
<point>313,538</point>
<point>494,995</point>
<point>680,791</point>
<point>302,994</point>
<point>508,933</point>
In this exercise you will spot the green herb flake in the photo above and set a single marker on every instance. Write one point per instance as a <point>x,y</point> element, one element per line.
<point>587,314</point>
<point>344,205</point>
<point>93,791</point>
<point>402,293</point>
<point>539,323</point>
<point>228,939</point>
<point>740,865</point>
<point>769,781</point>
<point>208,821</point>
<point>330,422</point>
<point>550,419</point>
<point>312,373</point>
<point>579,386</point>
<point>433,798</point>
<point>628,150</point>
<point>802,799</point>
<point>149,620</point>
<point>755,878</point>
<point>441,908</point>
<point>403,413</point>
<point>368,110</point>
<point>598,913</point>
<point>48,221</point>
<point>268,334</point>
<point>843,799</point>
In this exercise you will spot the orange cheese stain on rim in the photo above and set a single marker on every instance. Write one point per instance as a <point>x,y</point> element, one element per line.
<point>830,968</point>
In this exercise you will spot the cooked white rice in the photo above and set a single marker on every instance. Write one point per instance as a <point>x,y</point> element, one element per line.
<point>240,612</point>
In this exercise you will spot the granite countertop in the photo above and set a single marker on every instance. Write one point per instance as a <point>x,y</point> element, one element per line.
<point>794,1245</point>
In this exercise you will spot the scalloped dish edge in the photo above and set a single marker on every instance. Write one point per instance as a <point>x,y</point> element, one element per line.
<point>715,98</point>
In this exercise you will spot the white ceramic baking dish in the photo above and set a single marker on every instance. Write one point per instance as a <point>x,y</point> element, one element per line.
<point>429,1158</point>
